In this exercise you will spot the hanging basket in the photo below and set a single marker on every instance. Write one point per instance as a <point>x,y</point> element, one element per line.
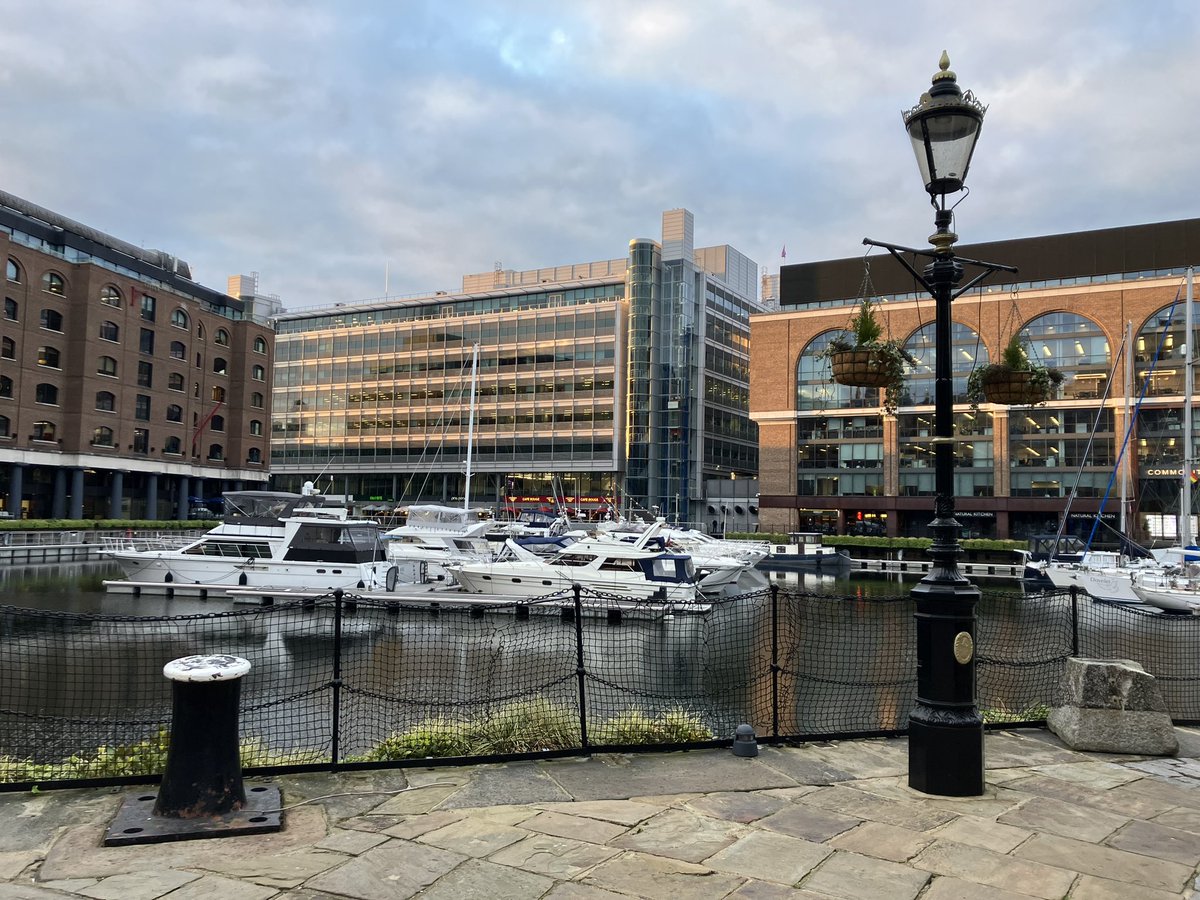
<point>1012,387</point>
<point>857,368</point>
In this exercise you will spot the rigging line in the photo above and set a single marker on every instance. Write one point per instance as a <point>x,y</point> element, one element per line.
<point>1133,417</point>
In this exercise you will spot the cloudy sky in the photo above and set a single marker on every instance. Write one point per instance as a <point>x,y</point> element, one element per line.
<point>327,146</point>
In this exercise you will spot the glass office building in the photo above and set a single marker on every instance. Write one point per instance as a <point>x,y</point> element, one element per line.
<point>621,382</point>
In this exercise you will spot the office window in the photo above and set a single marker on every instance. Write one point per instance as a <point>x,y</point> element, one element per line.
<point>110,296</point>
<point>6,387</point>
<point>46,393</point>
<point>107,366</point>
<point>141,440</point>
<point>258,373</point>
<point>220,366</point>
<point>260,345</point>
<point>254,456</point>
<point>216,451</point>
<point>174,413</point>
<point>12,271</point>
<point>8,350</point>
<point>146,342</point>
<point>110,331</point>
<point>174,382</point>
<point>53,282</point>
<point>48,357</point>
<point>141,408</point>
<point>44,431</point>
<point>179,319</point>
<point>217,423</point>
<point>256,400</point>
<point>145,376</point>
<point>106,401</point>
<point>172,446</point>
<point>10,309</point>
<point>256,427</point>
<point>148,306</point>
<point>102,437</point>
<point>222,337</point>
<point>178,350</point>
<point>52,320</point>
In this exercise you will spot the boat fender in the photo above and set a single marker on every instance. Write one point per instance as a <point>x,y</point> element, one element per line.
<point>393,575</point>
<point>242,580</point>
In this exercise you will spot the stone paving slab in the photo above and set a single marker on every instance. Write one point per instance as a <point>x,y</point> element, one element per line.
<point>770,857</point>
<point>854,876</point>
<point>147,884</point>
<point>883,841</point>
<point>737,807</point>
<point>393,871</point>
<point>1105,862</point>
<point>995,869</point>
<point>613,776</point>
<point>1067,819</point>
<point>977,831</point>
<point>680,834</point>
<point>1159,841</point>
<point>644,875</point>
<point>808,822</point>
<point>556,857</point>
<point>580,828</point>
<point>508,783</point>
<point>479,878</point>
<point>620,812</point>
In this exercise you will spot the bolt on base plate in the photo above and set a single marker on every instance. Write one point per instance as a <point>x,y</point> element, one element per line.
<point>136,822</point>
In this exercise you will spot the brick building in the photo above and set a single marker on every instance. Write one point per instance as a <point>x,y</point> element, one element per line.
<point>831,461</point>
<point>126,389</point>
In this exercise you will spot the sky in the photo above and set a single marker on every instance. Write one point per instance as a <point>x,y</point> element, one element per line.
<point>344,149</point>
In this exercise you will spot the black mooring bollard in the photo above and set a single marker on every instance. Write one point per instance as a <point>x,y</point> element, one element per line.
<point>203,776</point>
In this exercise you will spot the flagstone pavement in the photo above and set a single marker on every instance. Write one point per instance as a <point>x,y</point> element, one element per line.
<point>816,820</point>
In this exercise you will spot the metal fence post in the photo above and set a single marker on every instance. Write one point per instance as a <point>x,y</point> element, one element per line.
<point>775,660</point>
<point>1074,620</point>
<point>336,683</point>
<point>580,671</point>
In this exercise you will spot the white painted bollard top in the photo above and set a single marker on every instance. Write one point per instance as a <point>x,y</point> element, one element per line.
<point>206,668</point>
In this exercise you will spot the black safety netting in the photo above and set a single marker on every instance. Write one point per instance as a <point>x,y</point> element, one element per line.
<point>349,680</point>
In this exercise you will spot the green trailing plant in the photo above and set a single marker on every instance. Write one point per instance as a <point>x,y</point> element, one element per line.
<point>1042,380</point>
<point>889,359</point>
<point>673,726</point>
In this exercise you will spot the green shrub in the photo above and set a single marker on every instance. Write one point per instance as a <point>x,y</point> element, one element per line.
<point>436,738</point>
<point>635,727</point>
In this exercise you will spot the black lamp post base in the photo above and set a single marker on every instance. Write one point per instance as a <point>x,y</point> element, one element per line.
<point>946,760</point>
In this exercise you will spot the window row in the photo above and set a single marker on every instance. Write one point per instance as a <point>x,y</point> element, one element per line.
<point>49,319</point>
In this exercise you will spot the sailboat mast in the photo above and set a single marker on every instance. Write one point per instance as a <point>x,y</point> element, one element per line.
<point>1128,399</point>
<point>1185,492</point>
<point>471,426</point>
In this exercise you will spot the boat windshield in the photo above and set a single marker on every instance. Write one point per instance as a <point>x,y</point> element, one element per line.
<point>440,517</point>
<point>258,505</point>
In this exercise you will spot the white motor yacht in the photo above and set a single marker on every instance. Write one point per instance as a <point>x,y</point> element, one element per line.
<point>270,539</point>
<point>599,565</point>
<point>437,536</point>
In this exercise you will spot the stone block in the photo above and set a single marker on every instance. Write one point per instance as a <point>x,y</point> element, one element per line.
<point>1112,706</point>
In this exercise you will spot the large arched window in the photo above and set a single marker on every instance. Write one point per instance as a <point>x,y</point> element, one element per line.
<point>8,349</point>
<point>174,413</point>
<point>254,455</point>
<point>260,344</point>
<point>53,282</point>
<point>46,393</point>
<point>110,296</point>
<point>178,350</point>
<point>44,431</point>
<point>256,400</point>
<point>222,337</point>
<point>966,352</point>
<point>12,271</point>
<point>216,451</point>
<point>107,366</point>
<point>1076,345</point>
<point>11,309</point>
<point>179,319</point>
<point>258,373</point>
<point>48,357</point>
<point>217,423</point>
<point>102,437</point>
<point>106,401</point>
<point>815,390</point>
<point>220,366</point>
<point>1160,349</point>
<point>175,382</point>
<point>256,427</point>
<point>172,446</point>
<point>110,331</point>
<point>52,320</point>
<point>6,387</point>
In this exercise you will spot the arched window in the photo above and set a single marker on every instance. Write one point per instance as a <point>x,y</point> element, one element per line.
<point>1162,338</point>
<point>1076,345</point>
<point>179,319</point>
<point>222,337</point>
<point>178,350</point>
<point>44,431</point>
<point>966,352</point>
<point>218,395</point>
<point>200,330</point>
<point>216,451</point>
<point>196,389</point>
<point>172,446</point>
<point>258,373</point>
<point>260,344</point>
<point>217,423</point>
<point>107,366</point>
<point>106,401</point>
<point>5,427</point>
<point>174,382</point>
<point>220,366</point>
<point>8,349</point>
<point>53,282</point>
<point>48,357</point>
<point>256,427</point>
<point>174,413</point>
<point>46,393</point>
<point>110,296</point>
<point>52,320</point>
<point>815,390</point>
<point>256,400</point>
<point>12,271</point>
<point>102,437</point>
<point>10,309</point>
<point>110,331</point>
<point>254,456</point>
<point>6,387</point>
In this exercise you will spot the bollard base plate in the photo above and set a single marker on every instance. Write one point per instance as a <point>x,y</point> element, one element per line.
<point>136,822</point>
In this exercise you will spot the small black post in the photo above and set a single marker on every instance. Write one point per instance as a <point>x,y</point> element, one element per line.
<point>775,660</point>
<point>203,775</point>
<point>1074,620</point>
<point>336,683</point>
<point>580,671</point>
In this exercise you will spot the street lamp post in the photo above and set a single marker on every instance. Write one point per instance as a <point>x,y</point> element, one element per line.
<point>945,730</point>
